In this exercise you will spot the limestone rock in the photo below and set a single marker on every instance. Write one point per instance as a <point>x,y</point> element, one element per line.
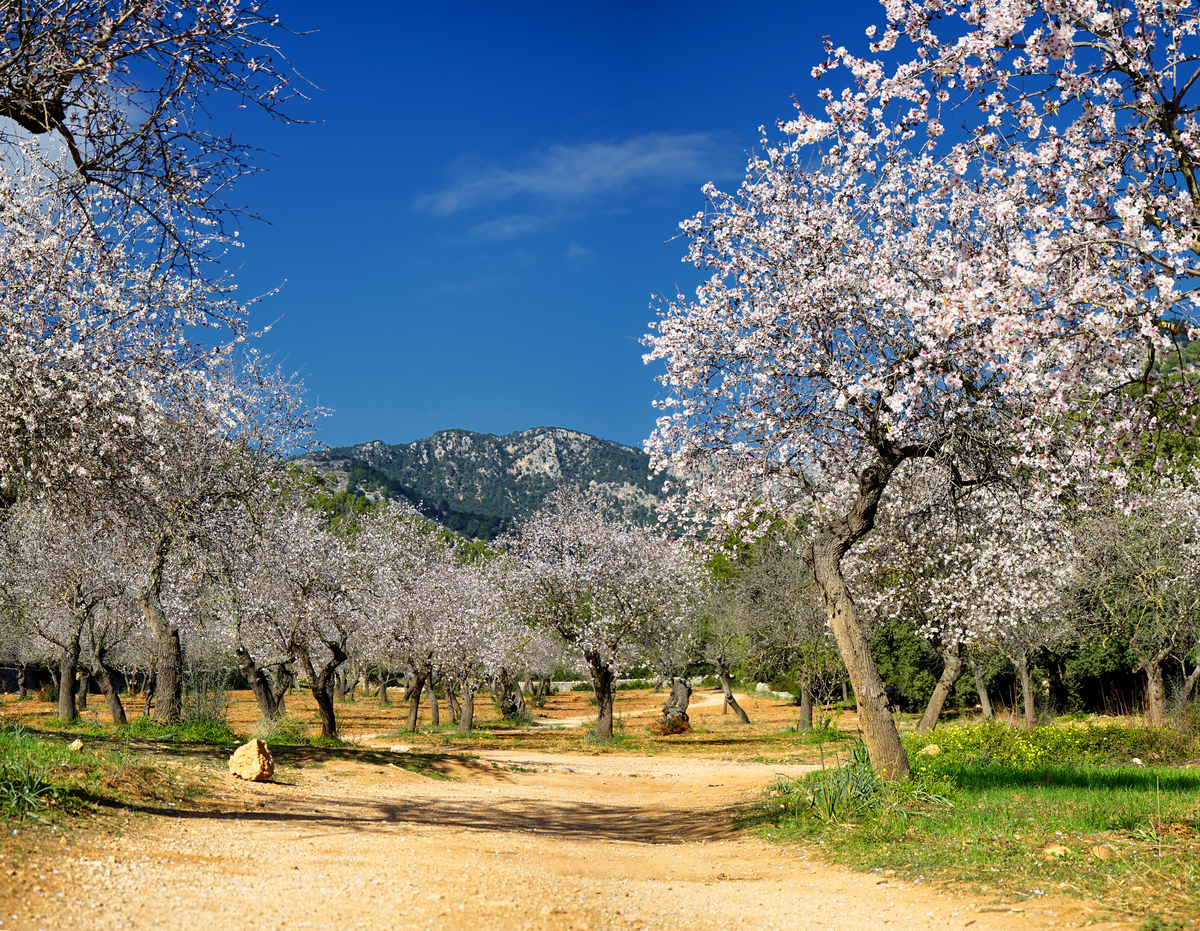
<point>75,746</point>
<point>1056,850</point>
<point>931,750</point>
<point>1102,853</point>
<point>252,762</point>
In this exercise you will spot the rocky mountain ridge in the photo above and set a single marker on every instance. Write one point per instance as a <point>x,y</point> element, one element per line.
<point>490,480</point>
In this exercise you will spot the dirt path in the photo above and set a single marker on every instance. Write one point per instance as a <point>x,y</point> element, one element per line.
<point>520,840</point>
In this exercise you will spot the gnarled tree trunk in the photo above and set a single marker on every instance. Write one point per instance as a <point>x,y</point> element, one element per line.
<point>435,717</point>
<point>414,696</point>
<point>604,684</point>
<point>268,694</point>
<point>512,702</point>
<point>952,670</point>
<point>676,707</point>
<point>727,688</point>
<point>103,677</point>
<point>68,682</point>
<point>320,682</point>
<point>467,719</point>
<point>1156,692</point>
<point>168,652</point>
<point>830,543</point>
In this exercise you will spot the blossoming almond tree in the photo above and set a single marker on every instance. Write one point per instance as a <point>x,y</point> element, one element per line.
<point>986,567</point>
<point>610,590</point>
<point>120,89</point>
<point>881,291</point>
<point>1138,578</point>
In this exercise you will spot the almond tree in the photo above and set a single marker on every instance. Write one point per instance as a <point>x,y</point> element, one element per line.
<point>406,582</point>
<point>1138,578</point>
<point>62,581</point>
<point>608,589</point>
<point>883,291</point>
<point>984,567</point>
<point>121,90</point>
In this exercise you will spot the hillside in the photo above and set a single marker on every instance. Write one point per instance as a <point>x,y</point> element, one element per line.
<point>476,483</point>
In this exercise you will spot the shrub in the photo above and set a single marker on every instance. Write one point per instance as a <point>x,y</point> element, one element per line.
<point>670,727</point>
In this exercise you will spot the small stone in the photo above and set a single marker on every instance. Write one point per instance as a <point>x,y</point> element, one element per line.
<point>1056,850</point>
<point>1136,762</point>
<point>400,748</point>
<point>252,761</point>
<point>931,750</point>
<point>75,746</point>
<point>1102,853</point>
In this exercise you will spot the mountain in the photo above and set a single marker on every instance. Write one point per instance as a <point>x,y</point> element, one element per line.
<point>477,483</point>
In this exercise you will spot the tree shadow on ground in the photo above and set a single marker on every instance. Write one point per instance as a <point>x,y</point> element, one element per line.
<point>556,820</point>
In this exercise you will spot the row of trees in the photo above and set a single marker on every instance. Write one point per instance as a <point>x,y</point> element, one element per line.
<point>266,581</point>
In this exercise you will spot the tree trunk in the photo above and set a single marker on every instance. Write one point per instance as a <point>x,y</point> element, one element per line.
<point>952,670</point>
<point>1189,683</point>
<point>23,682</point>
<point>452,701</point>
<point>435,718</point>
<point>112,697</point>
<point>727,688</point>
<point>68,669</point>
<point>829,545</point>
<point>467,719</point>
<point>1156,694</point>
<point>604,684</point>
<point>339,686</point>
<point>383,687</point>
<point>1026,688</point>
<point>806,706</point>
<point>845,693</point>
<point>148,692</point>
<point>81,693</point>
<point>981,687</point>
<point>512,702</point>
<point>319,684</point>
<point>269,696</point>
<point>676,707</point>
<point>414,698</point>
<point>168,655</point>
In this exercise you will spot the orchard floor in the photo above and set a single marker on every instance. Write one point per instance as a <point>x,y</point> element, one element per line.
<point>541,832</point>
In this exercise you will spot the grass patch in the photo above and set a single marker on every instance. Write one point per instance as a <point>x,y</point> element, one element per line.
<point>42,780</point>
<point>201,731</point>
<point>1126,838</point>
<point>994,743</point>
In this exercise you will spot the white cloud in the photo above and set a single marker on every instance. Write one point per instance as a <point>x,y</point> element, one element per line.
<point>578,251</point>
<point>508,227</point>
<point>565,174</point>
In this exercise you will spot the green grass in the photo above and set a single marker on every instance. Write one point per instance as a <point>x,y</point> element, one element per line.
<point>990,813</point>
<point>42,780</point>
<point>995,743</point>
<point>203,731</point>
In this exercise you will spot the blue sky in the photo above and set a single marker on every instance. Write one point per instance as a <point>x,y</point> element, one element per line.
<point>470,231</point>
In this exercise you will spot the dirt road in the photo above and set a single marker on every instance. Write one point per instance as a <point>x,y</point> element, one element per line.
<point>520,840</point>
